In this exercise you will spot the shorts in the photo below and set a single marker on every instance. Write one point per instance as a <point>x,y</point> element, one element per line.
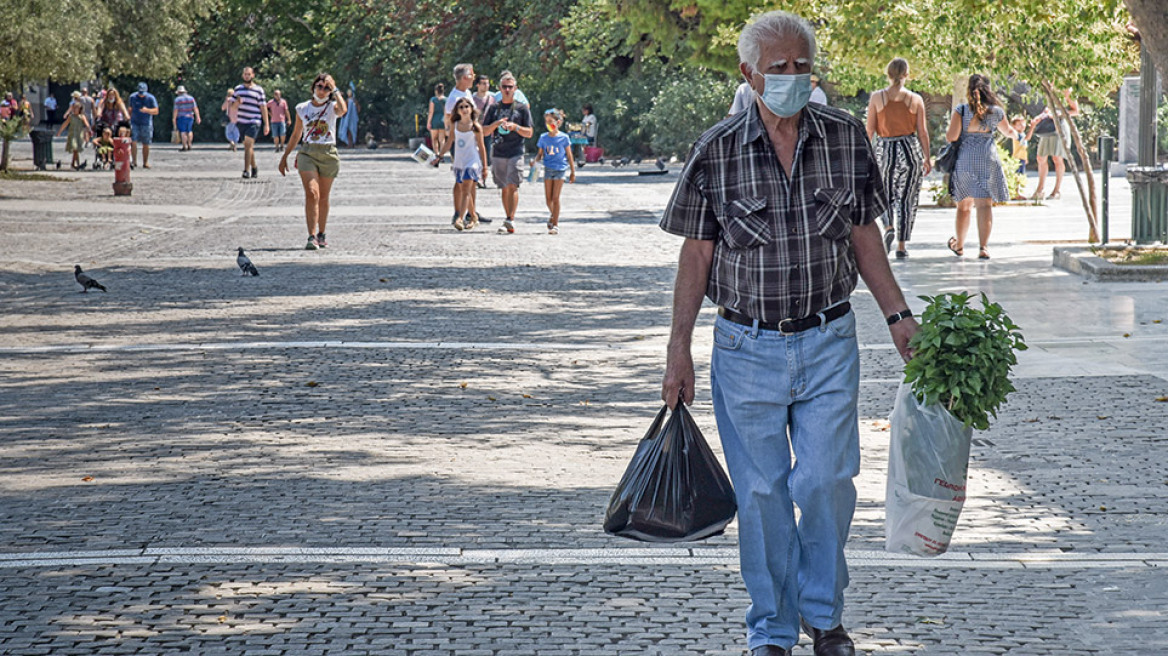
<point>553,174</point>
<point>474,172</point>
<point>319,158</point>
<point>279,129</point>
<point>232,133</point>
<point>143,134</point>
<point>505,171</point>
<point>248,130</point>
<point>184,124</point>
<point>1050,145</point>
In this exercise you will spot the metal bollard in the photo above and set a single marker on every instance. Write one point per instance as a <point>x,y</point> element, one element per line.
<point>1106,152</point>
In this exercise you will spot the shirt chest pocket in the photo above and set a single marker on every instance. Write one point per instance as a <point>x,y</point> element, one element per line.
<point>745,224</point>
<point>833,212</point>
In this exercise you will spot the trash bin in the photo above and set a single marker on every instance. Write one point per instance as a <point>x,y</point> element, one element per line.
<point>42,148</point>
<point>1149,203</point>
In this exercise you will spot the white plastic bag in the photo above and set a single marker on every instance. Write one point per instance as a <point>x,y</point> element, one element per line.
<point>928,459</point>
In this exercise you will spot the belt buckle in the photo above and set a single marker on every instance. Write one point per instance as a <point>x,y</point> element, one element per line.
<point>785,332</point>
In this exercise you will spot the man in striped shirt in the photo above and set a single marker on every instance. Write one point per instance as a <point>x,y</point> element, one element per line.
<point>184,116</point>
<point>252,108</point>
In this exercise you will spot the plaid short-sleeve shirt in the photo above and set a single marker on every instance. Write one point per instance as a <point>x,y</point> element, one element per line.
<point>783,245</point>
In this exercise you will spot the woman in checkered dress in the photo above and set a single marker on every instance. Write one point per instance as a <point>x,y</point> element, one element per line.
<point>977,180</point>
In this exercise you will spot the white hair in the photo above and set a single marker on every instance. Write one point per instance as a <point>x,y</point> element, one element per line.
<point>460,71</point>
<point>773,25</point>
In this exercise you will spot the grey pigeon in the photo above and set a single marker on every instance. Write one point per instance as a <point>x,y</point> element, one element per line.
<point>85,281</point>
<point>245,264</point>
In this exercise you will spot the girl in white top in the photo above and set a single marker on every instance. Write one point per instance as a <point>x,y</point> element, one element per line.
<point>317,161</point>
<point>470,158</point>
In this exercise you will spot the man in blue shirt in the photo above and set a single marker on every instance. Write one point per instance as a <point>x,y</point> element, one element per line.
<point>143,109</point>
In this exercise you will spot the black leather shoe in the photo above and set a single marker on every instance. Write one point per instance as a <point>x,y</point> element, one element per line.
<point>831,642</point>
<point>769,650</point>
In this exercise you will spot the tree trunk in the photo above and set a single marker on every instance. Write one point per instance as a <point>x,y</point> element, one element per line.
<point>4,157</point>
<point>1078,141</point>
<point>1060,114</point>
<point>1150,17</point>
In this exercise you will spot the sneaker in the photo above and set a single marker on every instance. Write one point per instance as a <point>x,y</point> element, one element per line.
<point>311,245</point>
<point>255,173</point>
<point>246,175</point>
<point>508,226</point>
<point>889,237</point>
<point>553,229</point>
<point>321,241</point>
<point>458,225</point>
<point>479,218</point>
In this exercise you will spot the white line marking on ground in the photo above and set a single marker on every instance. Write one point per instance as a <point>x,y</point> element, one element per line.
<point>453,556</point>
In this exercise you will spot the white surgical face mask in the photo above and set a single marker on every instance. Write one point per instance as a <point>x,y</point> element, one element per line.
<point>319,98</point>
<point>785,95</point>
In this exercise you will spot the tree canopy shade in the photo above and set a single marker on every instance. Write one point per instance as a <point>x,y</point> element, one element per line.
<point>1080,44</point>
<point>74,40</point>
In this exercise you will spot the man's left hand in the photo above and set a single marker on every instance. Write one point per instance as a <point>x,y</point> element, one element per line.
<point>903,331</point>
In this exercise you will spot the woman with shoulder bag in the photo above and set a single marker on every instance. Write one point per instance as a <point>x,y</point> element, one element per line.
<point>317,160</point>
<point>897,116</point>
<point>977,179</point>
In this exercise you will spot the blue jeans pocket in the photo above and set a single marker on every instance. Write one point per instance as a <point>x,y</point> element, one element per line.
<point>727,337</point>
<point>845,326</point>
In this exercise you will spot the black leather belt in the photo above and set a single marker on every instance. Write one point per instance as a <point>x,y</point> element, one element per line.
<point>789,326</point>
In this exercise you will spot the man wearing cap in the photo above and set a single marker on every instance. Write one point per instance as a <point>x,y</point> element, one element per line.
<point>87,104</point>
<point>143,109</point>
<point>184,117</point>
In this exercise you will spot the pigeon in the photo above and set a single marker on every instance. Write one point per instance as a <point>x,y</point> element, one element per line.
<point>85,281</point>
<point>245,264</point>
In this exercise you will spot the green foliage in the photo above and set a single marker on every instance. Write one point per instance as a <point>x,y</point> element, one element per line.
<point>1072,43</point>
<point>962,357</point>
<point>74,40</point>
<point>1094,121</point>
<point>1015,181</point>
<point>687,106</point>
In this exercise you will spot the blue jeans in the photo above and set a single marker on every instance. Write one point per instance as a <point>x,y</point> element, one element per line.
<point>775,393</point>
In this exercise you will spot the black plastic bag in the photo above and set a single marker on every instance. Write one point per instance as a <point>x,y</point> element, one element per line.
<point>674,490</point>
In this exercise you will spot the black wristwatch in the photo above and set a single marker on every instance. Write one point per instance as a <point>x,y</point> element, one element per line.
<point>903,314</point>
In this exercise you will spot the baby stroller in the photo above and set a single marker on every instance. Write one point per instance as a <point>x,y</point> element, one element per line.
<point>103,153</point>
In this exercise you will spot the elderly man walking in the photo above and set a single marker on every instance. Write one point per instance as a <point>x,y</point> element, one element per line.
<point>777,206</point>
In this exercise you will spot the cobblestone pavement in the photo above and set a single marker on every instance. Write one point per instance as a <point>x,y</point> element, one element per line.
<point>404,444</point>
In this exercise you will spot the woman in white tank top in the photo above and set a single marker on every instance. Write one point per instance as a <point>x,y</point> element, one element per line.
<point>469,161</point>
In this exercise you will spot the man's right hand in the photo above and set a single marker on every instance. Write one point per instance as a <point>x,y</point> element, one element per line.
<point>679,378</point>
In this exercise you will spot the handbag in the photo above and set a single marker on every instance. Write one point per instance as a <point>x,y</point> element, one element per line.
<point>947,159</point>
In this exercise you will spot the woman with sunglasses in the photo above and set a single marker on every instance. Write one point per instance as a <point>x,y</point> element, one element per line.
<point>317,161</point>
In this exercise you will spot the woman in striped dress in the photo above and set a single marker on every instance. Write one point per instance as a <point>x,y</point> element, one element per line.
<point>977,180</point>
<point>897,116</point>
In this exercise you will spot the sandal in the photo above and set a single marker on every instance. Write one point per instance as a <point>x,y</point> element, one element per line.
<point>959,252</point>
<point>983,254</point>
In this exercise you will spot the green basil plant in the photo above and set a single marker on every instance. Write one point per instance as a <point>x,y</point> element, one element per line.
<point>962,357</point>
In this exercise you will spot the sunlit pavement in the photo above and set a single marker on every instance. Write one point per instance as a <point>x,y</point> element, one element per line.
<point>403,444</point>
